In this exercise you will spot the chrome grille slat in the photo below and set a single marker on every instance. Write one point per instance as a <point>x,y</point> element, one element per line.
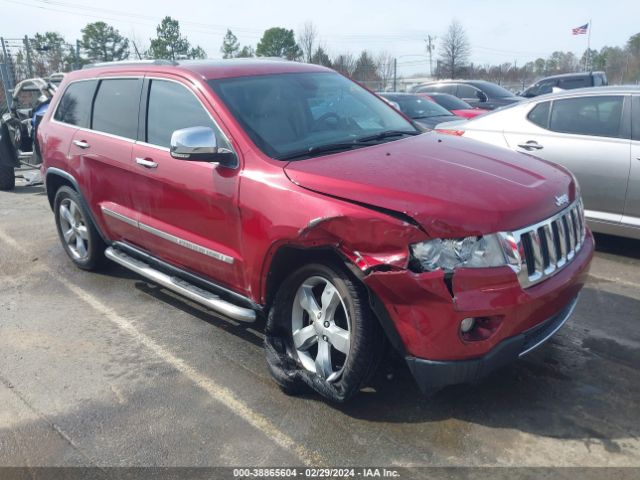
<point>550,245</point>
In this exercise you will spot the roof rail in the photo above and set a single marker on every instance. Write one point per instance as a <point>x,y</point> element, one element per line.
<point>128,63</point>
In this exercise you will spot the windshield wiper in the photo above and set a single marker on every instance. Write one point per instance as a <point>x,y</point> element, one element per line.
<point>386,134</point>
<point>316,150</point>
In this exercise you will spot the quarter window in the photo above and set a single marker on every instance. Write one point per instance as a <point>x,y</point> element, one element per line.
<point>173,107</point>
<point>597,116</point>
<point>115,109</point>
<point>635,118</point>
<point>540,114</point>
<point>75,105</point>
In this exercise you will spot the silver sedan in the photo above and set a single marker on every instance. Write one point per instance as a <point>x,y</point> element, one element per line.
<point>594,132</point>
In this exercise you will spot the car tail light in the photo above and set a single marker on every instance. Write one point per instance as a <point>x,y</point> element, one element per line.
<point>457,133</point>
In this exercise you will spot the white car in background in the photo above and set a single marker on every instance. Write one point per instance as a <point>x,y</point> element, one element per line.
<point>594,132</point>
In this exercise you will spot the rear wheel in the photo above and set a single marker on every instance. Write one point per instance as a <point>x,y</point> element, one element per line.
<point>77,233</point>
<point>322,333</point>
<point>7,178</point>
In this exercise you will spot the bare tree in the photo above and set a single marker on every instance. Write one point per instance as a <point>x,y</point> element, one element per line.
<point>385,68</point>
<point>454,49</point>
<point>307,39</point>
<point>345,64</point>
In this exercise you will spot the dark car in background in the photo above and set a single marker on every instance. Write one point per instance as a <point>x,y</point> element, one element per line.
<point>477,93</point>
<point>421,110</point>
<point>567,81</point>
<point>453,104</point>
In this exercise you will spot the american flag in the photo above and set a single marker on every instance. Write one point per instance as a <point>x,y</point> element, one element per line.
<point>580,30</point>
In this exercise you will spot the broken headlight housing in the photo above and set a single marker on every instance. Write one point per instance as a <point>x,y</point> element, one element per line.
<point>494,250</point>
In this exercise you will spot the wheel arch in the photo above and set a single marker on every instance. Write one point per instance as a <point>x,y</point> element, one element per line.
<point>56,178</point>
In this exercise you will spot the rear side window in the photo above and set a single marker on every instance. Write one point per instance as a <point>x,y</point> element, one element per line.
<point>570,83</point>
<point>540,114</point>
<point>75,105</point>
<point>172,107</point>
<point>115,109</point>
<point>597,116</point>
<point>467,91</point>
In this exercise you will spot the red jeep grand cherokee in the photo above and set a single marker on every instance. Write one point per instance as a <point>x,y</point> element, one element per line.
<point>286,192</point>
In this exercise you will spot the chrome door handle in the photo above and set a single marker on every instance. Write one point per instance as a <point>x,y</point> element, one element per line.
<point>146,163</point>
<point>531,145</point>
<point>81,143</point>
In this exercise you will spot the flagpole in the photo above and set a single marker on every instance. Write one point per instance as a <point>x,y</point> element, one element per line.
<point>587,66</point>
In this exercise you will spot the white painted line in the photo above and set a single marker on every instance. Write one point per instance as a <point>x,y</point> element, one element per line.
<point>214,389</point>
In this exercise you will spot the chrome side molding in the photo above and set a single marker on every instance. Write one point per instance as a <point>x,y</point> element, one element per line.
<point>181,287</point>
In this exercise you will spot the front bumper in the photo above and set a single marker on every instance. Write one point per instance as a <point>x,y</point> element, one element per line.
<point>424,311</point>
<point>433,375</point>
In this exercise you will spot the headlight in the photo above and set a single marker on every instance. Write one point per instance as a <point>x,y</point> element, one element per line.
<point>472,252</point>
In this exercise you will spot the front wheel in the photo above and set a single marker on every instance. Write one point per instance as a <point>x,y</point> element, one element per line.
<point>322,334</point>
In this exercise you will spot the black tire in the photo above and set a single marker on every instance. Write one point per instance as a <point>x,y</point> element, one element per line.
<point>94,246</point>
<point>366,336</point>
<point>7,178</point>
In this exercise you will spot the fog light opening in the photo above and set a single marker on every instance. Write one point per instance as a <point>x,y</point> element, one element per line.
<point>467,325</point>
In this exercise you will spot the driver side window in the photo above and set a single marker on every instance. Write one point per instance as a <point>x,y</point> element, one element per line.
<point>172,107</point>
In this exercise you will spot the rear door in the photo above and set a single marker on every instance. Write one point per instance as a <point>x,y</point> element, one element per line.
<point>102,153</point>
<point>188,210</point>
<point>588,136</point>
<point>632,206</point>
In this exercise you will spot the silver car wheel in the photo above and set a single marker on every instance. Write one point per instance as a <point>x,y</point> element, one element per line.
<point>321,328</point>
<point>74,229</point>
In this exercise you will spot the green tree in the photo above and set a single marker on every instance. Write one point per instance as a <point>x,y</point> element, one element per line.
<point>169,43</point>
<point>320,57</point>
<point>50,53</point>
<point>230,46</point>
<point>278,42</point>
<point>103,43</point>
<point>366,70</point>
<point>246,52</point>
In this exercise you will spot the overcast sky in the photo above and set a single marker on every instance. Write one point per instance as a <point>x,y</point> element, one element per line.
<point>498,30</point>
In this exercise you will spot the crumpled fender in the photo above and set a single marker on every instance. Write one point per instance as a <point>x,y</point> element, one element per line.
<point>369,242</point>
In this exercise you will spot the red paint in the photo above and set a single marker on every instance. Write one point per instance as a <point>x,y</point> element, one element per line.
<point>462,112</point>
<point>438,186</point>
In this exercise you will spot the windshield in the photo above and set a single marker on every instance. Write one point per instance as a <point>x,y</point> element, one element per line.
<point>493,90</point>
<point>293,112</point>
<point>417,107</point>
<point>450,102</point>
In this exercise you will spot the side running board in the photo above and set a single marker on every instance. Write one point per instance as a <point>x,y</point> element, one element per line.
<point>181,287</point>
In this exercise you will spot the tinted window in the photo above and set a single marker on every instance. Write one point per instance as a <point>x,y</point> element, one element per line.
<point>451,103</point>
<point>635,118</point>
<point>540,114</point>
<point>467,91</point>
<point>599,80</point>
<point>417,107</point>
<point>115,109</point>
<point>569,83</point>
<point>599,116</point>
<point>173,107</point>
<point>75,105</point>
<point>493,90</point>
<point>289,113</point>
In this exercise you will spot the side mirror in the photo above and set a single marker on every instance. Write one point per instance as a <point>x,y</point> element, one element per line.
<point>199,144</point>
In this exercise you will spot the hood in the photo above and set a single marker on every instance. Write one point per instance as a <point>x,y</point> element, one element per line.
<point>451,186</point>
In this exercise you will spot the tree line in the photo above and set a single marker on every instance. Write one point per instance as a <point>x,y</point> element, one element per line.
<point>100,42</point>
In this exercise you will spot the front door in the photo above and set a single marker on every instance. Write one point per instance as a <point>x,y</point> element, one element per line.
<point>632,206</point>
<point>188,210</point>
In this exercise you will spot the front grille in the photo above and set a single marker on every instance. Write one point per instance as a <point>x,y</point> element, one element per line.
<point>548,246</point>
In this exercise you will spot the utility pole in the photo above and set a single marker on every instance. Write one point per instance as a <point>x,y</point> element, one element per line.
<point>9,64</point>
<point>28,52</point>
<point>430,40</point>
<point>135,47</point>
<point>395,74</point>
